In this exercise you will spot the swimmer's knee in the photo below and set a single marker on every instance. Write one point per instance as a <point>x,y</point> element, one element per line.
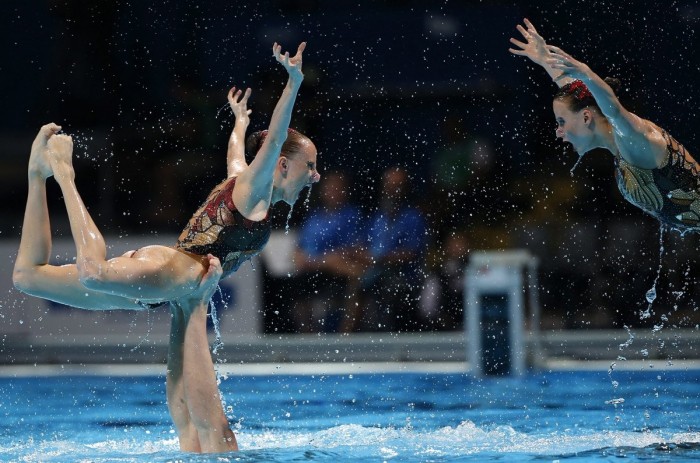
<point>24,279</point>
<point>90,274</point>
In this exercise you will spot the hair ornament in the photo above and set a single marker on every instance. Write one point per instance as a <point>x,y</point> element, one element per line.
<point>578,90</point>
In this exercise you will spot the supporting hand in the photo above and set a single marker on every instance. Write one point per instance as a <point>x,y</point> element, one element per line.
<point>199,298</point>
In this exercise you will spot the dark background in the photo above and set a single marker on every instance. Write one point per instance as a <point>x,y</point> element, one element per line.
<point>141,86</point>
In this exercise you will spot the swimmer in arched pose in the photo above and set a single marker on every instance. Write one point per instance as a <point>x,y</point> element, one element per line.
<point>231,227</point>
<point>654,172</point>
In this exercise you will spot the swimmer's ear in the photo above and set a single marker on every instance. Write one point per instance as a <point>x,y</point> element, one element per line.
<point>284,164</point>
<point>587,116</point>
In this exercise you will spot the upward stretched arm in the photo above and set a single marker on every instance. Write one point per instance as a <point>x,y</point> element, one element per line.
<point>637,139</point>
<point>536,49</point>
<point>235,156</point>
<point>254,188</point>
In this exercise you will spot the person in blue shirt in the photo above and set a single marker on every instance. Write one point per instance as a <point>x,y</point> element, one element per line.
<point>394,251</point>
<point>325,259</point>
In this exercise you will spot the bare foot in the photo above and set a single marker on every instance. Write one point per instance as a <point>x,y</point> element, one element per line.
<point>38,160</point>
<point>60,154</point>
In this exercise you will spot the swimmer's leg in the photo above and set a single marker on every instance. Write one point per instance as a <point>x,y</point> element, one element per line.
<point>35,243</point>
<point>174,384</point>
<point>32,273</point>
<point>201,391</point>
<point>89,243</point>
<point>157,274</point>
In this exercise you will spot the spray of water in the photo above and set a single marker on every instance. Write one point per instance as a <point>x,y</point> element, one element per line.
<point>218,112</point>
<point>307,201</point>
<point>578,161</point>
<point>289,217</point>
<point>651,294</point>
<point>149,324</point>
<point>218,343</point>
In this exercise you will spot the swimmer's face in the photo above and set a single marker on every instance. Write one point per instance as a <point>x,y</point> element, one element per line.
<point>573,127</point>
<point>301,171</point>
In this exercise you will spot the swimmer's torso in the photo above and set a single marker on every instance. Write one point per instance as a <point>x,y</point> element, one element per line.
<point>671,193</point>
<point>218,228</point>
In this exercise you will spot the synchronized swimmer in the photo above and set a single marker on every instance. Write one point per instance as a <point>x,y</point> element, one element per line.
<point>654,172</point>
<point>232,226</point>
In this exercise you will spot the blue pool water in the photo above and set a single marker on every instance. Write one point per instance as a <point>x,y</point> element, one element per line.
<point>556,416</point>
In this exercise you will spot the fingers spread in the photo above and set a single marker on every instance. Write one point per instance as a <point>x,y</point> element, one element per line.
<point>530,26</point>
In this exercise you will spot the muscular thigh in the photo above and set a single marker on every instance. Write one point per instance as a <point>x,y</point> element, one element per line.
<point>61,284</point>
<point>155,274</point>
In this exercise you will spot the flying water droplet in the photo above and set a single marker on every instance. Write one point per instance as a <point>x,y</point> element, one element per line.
<point>578,161</point>
<point>308,198</point>
<point>218,343</point>
<point>651,295</point>
<point>289,217</point>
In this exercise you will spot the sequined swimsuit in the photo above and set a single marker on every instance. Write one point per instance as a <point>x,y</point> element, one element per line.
<point>218,228</point>
<point>671,193</point>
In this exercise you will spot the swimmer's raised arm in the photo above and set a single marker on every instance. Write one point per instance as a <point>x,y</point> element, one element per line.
<point>636,138</point>
<point>235,157</point>
<point>571,68</point>
<point>254,188</point>
<point>536,49</point>
<point>266,158</point>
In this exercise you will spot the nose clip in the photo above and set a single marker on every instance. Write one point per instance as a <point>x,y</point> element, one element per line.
<point>315,177</point>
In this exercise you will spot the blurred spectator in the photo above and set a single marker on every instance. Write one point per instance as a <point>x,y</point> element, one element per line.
<point>394,251</point>
<point>461,173</point>
<point>463,157</point>
<point>326,273</point>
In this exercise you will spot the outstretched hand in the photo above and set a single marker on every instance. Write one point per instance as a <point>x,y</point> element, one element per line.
<point>293,64</point>
<point>535,46</point>
<point>570,67</point>
<point>239,104</point>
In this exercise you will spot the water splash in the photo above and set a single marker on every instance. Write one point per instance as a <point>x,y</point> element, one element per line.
<point>630,339</point>
<point>218,111</point>
<point>218,343</point>
<point>307,201</point>
<point>289,217</point>
<point>149,325</point>
<point>578,161</point>
<point>651,294</point>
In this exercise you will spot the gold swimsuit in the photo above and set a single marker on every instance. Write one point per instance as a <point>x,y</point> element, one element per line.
<point>671,193</point>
